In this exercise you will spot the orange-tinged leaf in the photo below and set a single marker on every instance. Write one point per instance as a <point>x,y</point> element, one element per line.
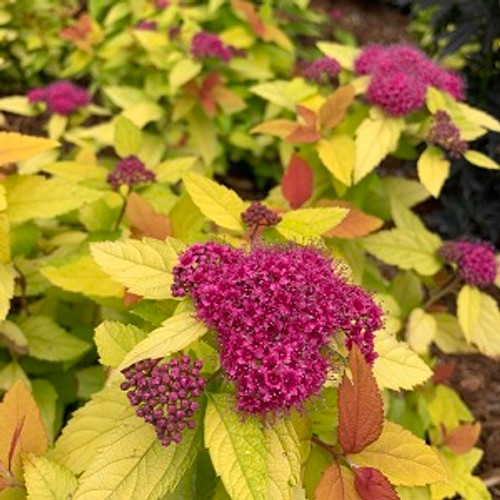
<point>371,484</point>
<point>229,101</point>
<point>17,147</point>
<point>22,428</point>
<point>145,220</point>
<point>303,135</point>
<point>249,13</point>
<point>361,412</point>
<point>336,483</point>
<point>308,115</point>
<point>129,299</point>
<point>297,183</point>
<point>278,128</point>
<point>335,107</point>
<point>356,223</point>
<point>463,438</point>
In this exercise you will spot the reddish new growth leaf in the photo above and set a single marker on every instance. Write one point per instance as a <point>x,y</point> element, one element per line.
<point>129,299</point>
<point>361,412</point>
<point>443,372</point>
<point>337,482</point>
<point>80,32</point>
<point>144,220</point>
<point>463,438</point>
<point>297,183</point>
<point>371,484</point>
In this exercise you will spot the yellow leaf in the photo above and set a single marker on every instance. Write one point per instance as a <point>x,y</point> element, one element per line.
<point>420,330</point>
<point>397,366</point>
<point>219,203</point>
<point>172,170</point>
<point>33,197</point>
<point>284,93</point>
<point>3,199</point>
<point>449,337</point>
<point>17,147</point>
<point>144,266</point>
<point>344,54</point>
<point>376,137</point>
<point>75,171</point>
<point>334,109</point>
<point>83,276</point>
<point>479,117</point>
<point>433,169</point>
<point>22,428</point>
<point>435,100</point>
<point>407,249</point>
<point>307,223</point>
<point>338,156</point>
<point>174,334</point>
<point>238,36</point>
<point>184,70</point>
<point>402,457</point>
<point>7,276</point>
<point>479,317</point>
<point>46,480</point>
<point>446,408</point>
<point>481,160</point>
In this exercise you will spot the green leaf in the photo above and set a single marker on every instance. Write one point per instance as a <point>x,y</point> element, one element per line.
<point>144,266</point>
<point>420,330</point>
<point>376,137</point>
<point>481,160</point>
<point>126,97</point>
<point>338,156</point>
<point>203,135</point>
<point>133,464</point>
<point>406,249</point>
<point>83,276</point>
<point>175,334</point>
<point>35,197</point>
<point>254,462</point>
<point>46,480</point>
<point>406,288</point>
<point>219,203</point>
<point>7,276</point>
<point>308,223</point>
<point>408,192</point>
<point>446,409</point>
<point>182,71</point>
<point>46,398</point>
<point>479,317</point>
<point>13,337</point>
<point>48,341</point>
<point>114,341</point>
<point>344,54</point>
<point>128,137</point>
<point>433,169</point>
<point>397,366</point>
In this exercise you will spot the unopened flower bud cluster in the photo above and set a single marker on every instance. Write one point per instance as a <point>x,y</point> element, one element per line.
<point>445,133</point>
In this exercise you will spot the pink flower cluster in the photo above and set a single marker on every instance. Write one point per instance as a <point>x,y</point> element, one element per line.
<point>476,262</point>
<point>61,97</point>
<point>401,75</point>
<point>324,70</point>
<point>275,310</point>
<point>130,171</point>
<point>205,45</point>
<point>445,133</point>
<point>146,25</point>
<point>165,394</point>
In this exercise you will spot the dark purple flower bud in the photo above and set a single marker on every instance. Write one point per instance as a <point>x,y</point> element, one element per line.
<point>258,214</point>
<point>131,172</point>
<point>445,133</point>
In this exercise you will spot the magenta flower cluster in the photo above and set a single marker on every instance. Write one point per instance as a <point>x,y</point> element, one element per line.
<point>146,25</point>
<point>61,97</point>
<point>401,75</point>
<point>476,261</point>
<point>205,45</point>
<point>445,133</point>
<point>258,214</point>
<point>324,70</point>
<point>275,310</point>
<point>165,394</point>
<point>131,172</point>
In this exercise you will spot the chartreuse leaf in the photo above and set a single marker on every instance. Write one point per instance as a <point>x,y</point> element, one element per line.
<point>376,137</point>
<point>406,191</point>
<point>338,155</point>
<point>307,223</point>
<point>407,249</point>
<point>130,462</point>
<point>446,409</point>
<point>6,288</point>
<point>449,337</point>
<point>22,428</point>
<point>46,480</point>
<point>33,197</point>
<point>254,462</point>
<point>48,341</point>
<point>420,330</point>
<point>17,147</point>
<point>344,54</point>
<point>219,203</point>
<point>433,169</point>
<point>397,366</point>
<point>128,137</point>
<point>481,160</point>
<point>286,94</point>
<point>114,341</point>
<point>83,276</point>
<point>4,238</point>
<point>144,266</point>
<point>402,457</point>
<point>203,135</point>
<point>174,334</point>
<point>479,117</point>
<point>479,317</point>
<point>173,170</point>
<point>184,70</point>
